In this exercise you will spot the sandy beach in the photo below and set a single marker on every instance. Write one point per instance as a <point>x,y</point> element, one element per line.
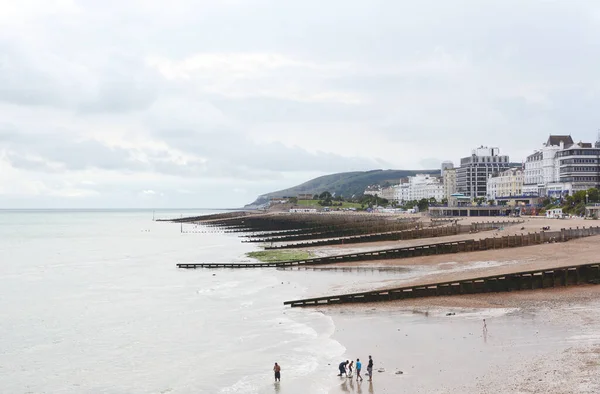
<point>536,341</point>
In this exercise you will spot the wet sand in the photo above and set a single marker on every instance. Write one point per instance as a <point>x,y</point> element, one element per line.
<point>533,343</point>
<point>542,341</point>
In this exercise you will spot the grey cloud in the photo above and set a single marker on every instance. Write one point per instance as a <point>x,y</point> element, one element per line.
<point>428,76</point>
<point>227,148</point>
<point>107,82</point>
<point>257,110</point>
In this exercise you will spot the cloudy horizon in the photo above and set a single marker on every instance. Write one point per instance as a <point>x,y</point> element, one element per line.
<point>212,103</point>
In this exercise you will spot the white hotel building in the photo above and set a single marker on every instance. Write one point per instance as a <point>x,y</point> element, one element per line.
<point>413,188</point>
<point>562,167</point>
<point>418,187</point>
<point>542,169</point>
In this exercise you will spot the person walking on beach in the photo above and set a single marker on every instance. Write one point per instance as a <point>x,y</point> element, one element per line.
<point>350,368</point>
<point>370,369</point>
<point>277,370</point>
<point>358,368</point>
<point>342,368</point>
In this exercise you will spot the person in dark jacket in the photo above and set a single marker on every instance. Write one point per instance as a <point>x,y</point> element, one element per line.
<point>370,369</point>
<point>343,368</point>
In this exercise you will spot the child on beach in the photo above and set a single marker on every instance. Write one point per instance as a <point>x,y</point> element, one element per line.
<point>358,368</point>
<point>370,369</point>
<point>350,368</point>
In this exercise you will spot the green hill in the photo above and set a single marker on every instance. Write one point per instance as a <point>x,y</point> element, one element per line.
<point>345,184</point>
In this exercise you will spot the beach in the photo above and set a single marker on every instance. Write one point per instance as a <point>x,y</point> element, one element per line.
<point>540,341</point>
<point>105,309</point>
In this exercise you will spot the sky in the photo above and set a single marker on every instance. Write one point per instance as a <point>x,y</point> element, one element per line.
<point>207,103</point>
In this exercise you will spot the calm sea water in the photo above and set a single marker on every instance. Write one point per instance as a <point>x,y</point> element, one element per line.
<point>91,302</point>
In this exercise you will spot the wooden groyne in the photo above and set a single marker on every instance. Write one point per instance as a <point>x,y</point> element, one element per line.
<point>430,232</point>
<point>469,245</point>
<point>340,231</point>
<point>254,222</point>
<point>526,280</point>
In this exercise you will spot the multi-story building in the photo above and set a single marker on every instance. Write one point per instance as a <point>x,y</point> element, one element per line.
<point>373,190</point>
<point>446,165</point>
<point>389,193</point>
<point>418,187</point>
<point>507,183</point>
<point>474,170</point>
<point>449,180</point>
<point>542,169</point>
<point>579,166</point>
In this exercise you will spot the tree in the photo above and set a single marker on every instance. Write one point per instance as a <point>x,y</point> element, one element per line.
<point>293,200</point>
<point>423,204</point>
<point>593,195</point>
<point>325,195</point>
<point>444,201</point>
<point>316,197</point>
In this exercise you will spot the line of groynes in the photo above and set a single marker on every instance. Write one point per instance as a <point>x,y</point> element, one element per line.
<point>414,233</point>
<point>339,231</point>
<point>470,245</point>
<point>375,226</point>
<point>526,280</point>
<point>278,222</point>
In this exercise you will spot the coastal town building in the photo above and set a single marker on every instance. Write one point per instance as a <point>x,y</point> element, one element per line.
<point>411,188</point>
<point>474,170</point>
<point>446,165</point>
<point>542,175</point>
<point>372,191</point>
<point>562,167</point>
<point>389,193</point>
<point>507,183</point>
<point>420,186</point>
<point>449,181</point>
<point>579,166</point>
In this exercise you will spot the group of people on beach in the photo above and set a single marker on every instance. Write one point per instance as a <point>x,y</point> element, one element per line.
<point>346,368</point>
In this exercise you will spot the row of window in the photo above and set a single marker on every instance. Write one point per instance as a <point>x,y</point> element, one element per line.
<point>580,179</point>
<point>568,169</point>
<point>579,152</point>
<point>576,161</point>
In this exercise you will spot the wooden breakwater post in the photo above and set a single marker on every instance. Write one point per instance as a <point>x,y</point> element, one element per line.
<point>526,280</point>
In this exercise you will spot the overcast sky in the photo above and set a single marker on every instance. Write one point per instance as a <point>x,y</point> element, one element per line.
<point>149,103</point>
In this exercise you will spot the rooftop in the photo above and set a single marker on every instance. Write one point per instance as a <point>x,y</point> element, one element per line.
<point>555,140</point>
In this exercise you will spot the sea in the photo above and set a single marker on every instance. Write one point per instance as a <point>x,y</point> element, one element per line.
<point>92,302</point>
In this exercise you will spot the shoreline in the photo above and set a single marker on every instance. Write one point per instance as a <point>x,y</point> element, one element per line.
<point>537,341</point>
<point>532,344</point>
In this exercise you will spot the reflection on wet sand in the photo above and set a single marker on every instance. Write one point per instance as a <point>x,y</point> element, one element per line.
<point>350,386</point>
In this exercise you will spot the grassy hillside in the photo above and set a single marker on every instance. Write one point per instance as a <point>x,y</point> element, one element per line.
<point>346,184</point>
